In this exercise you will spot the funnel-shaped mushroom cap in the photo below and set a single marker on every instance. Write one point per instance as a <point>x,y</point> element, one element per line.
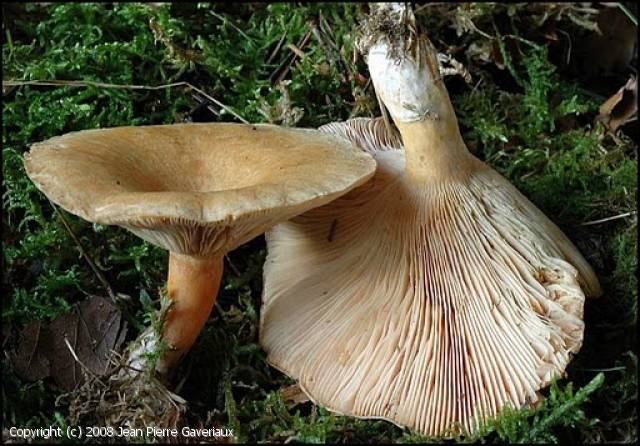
<point>196,189</point>
<point>429,304</point>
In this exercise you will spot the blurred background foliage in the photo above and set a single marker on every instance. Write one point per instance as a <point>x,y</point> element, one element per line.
<point>538,75</point>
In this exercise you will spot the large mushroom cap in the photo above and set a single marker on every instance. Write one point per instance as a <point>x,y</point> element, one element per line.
<point>195,189</point>
<point>429,304</point>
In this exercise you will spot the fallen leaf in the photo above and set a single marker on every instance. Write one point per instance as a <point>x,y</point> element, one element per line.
<point>29,360</point>
<point>99,332</point>
<point>92,330</point>
<point>620,107</point>
<point>610,50</point>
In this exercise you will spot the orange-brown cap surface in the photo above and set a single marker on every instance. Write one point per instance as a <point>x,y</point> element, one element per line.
<point>195,189</point>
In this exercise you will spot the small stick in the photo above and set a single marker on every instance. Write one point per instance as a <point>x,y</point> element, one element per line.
<point>568,56</point>
<point>88,259</point>
<point>326,29</point>
<point>61,83</point>
<point>610,369</point>
<point>341,62</point>
<point>215,14</point>
<point>426,5</point>
<point>233,267</point>
<point>288,62</point>
<point>301,44</point>
<point>277,48</point>
<point>330,49</point>
<point>202,101</point>
<point>602,220</point>
<point>75,356</point>
<point>301,54</point>
<point>628,13</point>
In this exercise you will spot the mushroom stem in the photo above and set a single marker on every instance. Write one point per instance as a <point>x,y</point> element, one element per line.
<point>434,150</point>
<point>192,286</point>
<point>405,73</point>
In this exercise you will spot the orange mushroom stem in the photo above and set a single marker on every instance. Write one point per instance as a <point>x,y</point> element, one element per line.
<point>192,287</point>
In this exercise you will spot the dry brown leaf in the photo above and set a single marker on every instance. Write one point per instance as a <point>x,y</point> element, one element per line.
<point>611,50</point>
<point>92,330</point>
<point>620,107</point>
<point>29,359</point>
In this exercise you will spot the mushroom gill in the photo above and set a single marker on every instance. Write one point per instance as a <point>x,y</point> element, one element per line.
<point>435,294</point>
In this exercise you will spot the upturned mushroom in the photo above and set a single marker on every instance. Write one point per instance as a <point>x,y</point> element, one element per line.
<point>196,190</point>
<point>435,294</point>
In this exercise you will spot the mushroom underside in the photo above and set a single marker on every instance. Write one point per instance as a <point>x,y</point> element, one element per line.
<point>430,305</point>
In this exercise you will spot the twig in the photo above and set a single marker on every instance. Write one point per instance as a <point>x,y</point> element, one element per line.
<point>233,267</point>
<point>276,49</point>
<point>610,369</point>
<point>326,29</point>
<point>9,44</point>
<point>301,44</point>
<point>329,47</point>
<point>88,259</point>
<point>285,66</point>
<point>566,34</point>
<point>65,83</point>
<point>225,19</point>
<point>475,87</point>
<point>628,13</point>
<point>426,5</point>
<point>75,356</point>
<point>301,54</point>
<point>615,217</point>
<point>202,101</point>
<point>482,33</point>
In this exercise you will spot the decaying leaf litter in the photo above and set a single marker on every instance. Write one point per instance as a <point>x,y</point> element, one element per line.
<point>573,170</point>
<point>81,339</point>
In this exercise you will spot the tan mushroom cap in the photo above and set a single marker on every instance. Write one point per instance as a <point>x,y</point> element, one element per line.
<point>195,189</point>
<point>428,304</point>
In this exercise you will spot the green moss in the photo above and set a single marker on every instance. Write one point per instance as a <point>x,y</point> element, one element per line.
<point>625,248</point>
<point>561,408</point>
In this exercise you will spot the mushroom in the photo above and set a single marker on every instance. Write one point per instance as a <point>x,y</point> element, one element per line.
<point>196,190</point>
<point>435,294</point>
